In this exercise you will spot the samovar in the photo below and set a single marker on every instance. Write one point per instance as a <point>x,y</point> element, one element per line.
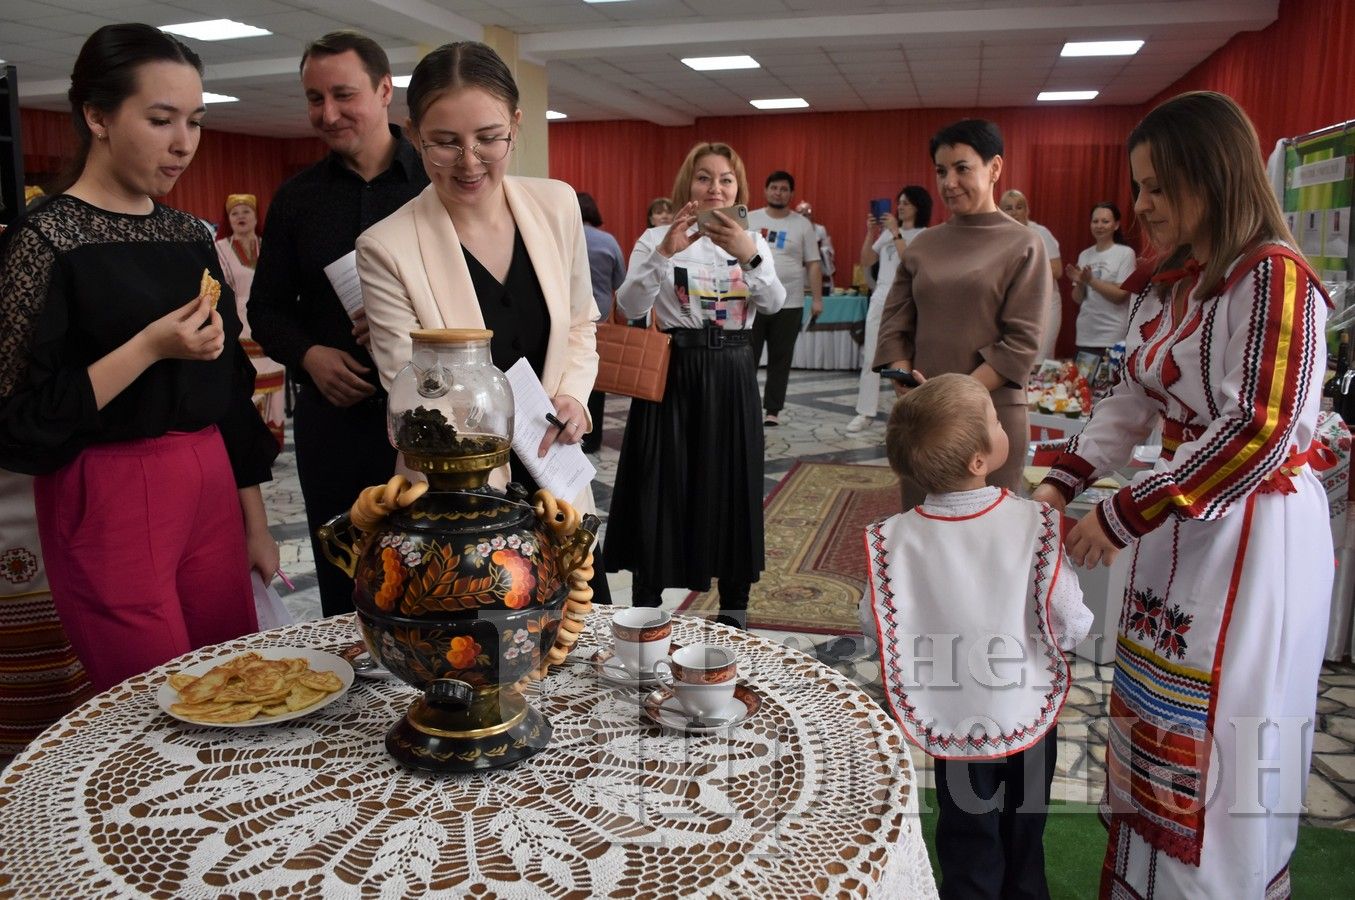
<point>462,590</point>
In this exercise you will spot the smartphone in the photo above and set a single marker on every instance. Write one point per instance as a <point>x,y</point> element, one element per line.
<point>879,207</point>
<point>902,376</point>
<point>738,213</point>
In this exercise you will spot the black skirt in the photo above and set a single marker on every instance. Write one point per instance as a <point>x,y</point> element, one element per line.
<point>687,505</point>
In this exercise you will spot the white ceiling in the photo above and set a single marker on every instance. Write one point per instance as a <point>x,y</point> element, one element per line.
<point>621,60</point>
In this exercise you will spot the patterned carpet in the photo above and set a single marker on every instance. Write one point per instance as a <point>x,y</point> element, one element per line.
<point>816,561</point>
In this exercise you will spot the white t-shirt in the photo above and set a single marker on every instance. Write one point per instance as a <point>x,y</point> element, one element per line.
<point>1051,245</point>
<point>1101,323</point>
<point>794,242</point>
<point>889,258</point>
<point>827,255</point>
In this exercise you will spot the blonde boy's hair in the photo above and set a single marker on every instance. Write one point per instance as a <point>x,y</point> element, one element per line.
<point>935,430</point>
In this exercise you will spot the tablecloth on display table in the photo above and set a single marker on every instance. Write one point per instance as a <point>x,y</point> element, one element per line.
<point>813,796</point>
<point>828,344</point>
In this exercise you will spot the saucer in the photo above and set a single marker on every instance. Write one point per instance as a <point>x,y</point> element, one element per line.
<point>662,707</point>
<point>610,670</point>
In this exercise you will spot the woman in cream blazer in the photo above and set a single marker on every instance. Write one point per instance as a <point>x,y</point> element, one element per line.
<point>414,276</point>
<point>479,247</point>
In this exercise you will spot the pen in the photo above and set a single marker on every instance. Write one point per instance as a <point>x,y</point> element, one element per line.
<point>285,580</point>
<point>550,417</point>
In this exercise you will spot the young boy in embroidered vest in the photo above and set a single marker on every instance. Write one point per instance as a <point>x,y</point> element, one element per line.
<point>973,605</point>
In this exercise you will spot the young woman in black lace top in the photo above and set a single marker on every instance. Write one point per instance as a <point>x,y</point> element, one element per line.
<point>122,387</point>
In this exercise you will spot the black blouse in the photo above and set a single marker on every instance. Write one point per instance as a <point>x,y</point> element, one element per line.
<point>516,312</point>
<point>76,282</point>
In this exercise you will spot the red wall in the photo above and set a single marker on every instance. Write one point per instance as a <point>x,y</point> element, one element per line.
<point>1295,76</point>
<point>1064,159</point>
<point>225,163</point>
<point>841,160</point>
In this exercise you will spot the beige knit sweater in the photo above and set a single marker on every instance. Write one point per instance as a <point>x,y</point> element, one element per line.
<point>974,289</point>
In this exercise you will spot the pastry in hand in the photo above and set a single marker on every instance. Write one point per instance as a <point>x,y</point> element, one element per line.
<point>211,287</point>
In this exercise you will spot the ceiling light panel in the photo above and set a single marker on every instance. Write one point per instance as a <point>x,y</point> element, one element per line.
<point>781,103</point>
<point>1101,48</point>
<point>1056,96</point>
<point>215,30</point>
<point>720,63</point>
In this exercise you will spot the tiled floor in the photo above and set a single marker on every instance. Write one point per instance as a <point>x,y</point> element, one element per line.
<point>813,429</point>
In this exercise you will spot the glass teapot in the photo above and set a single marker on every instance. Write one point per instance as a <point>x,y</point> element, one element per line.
<point>450,411</point>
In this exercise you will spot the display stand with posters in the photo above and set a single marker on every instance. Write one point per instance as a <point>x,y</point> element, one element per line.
<point>1318,188</point>
<point>1319,184</point>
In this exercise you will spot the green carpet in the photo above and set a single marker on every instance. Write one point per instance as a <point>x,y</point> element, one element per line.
<point>1075,842</point>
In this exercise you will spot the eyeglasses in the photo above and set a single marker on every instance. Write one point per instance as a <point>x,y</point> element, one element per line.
<point>444,154</point>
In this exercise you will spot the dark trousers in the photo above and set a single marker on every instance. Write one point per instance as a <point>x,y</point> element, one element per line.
<point>733,599</point>
<point>990,826</point>
<point>592,441</point>
<point>778,331</point>
<point>339,451</point>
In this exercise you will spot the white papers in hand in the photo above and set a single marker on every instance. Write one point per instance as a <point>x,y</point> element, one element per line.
<point>268,605</point>
<point>343,275</point>
<point>564,471</point>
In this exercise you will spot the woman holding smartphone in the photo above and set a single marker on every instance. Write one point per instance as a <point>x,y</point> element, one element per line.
<point>886,238</point>
<point>688,500</point>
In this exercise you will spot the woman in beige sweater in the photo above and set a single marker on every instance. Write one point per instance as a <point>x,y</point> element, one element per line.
<point>971,294</point>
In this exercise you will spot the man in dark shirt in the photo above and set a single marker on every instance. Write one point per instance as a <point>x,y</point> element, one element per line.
<point>314,220</point>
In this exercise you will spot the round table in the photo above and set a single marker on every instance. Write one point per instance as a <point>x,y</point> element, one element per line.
<point>813,796</point>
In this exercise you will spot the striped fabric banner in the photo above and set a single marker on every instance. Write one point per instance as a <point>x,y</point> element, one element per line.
<point>40,678</point>
<point>1158,749</point>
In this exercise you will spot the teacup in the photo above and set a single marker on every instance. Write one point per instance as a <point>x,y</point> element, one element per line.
<point>702,677</point>
<point>643,636</point>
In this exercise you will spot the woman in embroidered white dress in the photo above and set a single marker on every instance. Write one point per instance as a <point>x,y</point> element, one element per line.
<point>687,506</point>
<point>239,253</point>
<point>1220,639</point>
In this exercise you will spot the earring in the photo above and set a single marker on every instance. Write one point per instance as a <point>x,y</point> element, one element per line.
<point>101,135</point>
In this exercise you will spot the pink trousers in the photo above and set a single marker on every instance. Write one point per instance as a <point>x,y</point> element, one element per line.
<point>144,544</point>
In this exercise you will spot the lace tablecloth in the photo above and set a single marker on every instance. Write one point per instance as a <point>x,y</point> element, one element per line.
<point>812,797</point>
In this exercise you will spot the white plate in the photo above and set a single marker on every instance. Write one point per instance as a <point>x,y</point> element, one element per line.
<point>319,660</point>
<point>662,707</point>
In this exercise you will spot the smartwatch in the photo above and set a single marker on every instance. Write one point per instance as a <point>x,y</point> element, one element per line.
<point>752,263</point>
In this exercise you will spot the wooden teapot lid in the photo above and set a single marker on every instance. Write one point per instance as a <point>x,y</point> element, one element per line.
<point>450,335</point>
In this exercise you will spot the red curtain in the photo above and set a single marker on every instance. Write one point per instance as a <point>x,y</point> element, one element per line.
<point>1063,159</point>
<point>224,164</point>
<point>1294,76</point>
